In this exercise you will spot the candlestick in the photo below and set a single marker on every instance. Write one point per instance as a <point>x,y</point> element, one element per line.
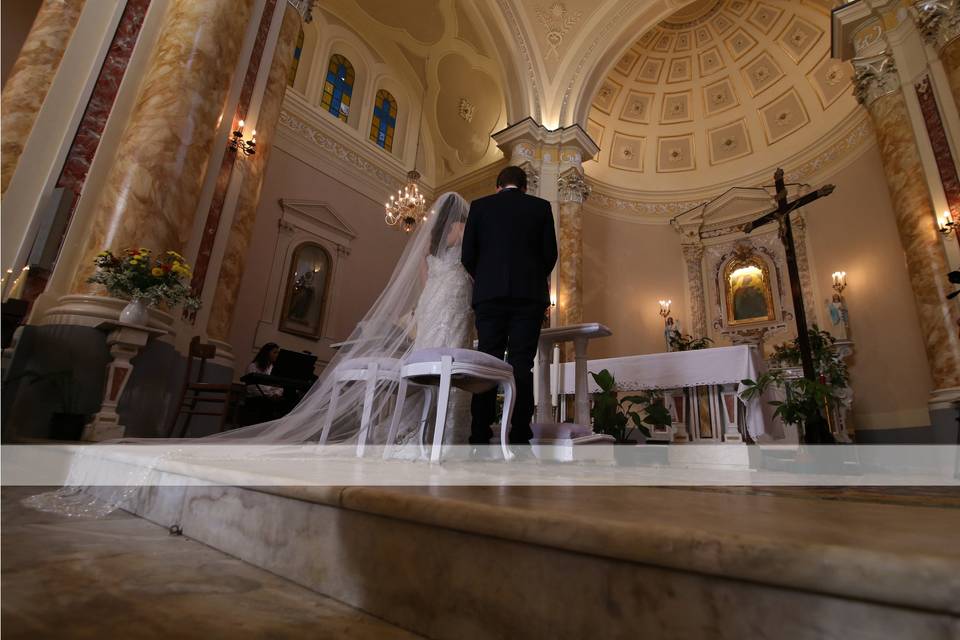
<point>839,281</point>
<point>665,308</point>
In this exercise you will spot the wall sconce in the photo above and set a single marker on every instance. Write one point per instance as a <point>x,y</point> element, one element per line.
<point>665,309</point>
<point>553,299</point>
<point>839,281</point>
<point>237,143</point>
<point>946,225</point>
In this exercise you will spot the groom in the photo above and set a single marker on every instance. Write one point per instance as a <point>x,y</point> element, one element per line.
<point>510,248</point>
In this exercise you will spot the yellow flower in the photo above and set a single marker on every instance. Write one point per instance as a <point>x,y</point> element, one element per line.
<point>157,271</point>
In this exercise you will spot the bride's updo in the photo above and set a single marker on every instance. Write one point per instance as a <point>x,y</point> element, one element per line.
<point>451,209</point>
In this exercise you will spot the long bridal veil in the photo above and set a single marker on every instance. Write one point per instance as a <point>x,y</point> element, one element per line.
<point>386,333</point>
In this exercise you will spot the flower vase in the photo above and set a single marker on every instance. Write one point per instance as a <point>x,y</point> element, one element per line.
<point>136,312</point>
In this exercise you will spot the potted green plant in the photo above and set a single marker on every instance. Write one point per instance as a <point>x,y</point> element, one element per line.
<point>686,342</point>
<point>802,397</point>
<point>145,281</point>
<point>620,417</point>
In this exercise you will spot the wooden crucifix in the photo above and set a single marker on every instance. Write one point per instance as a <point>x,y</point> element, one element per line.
<point>817,429</point>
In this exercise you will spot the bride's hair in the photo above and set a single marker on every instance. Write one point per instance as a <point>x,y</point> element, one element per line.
<point>452,210</point>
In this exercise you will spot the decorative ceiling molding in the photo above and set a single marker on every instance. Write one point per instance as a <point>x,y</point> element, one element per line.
<point>837,151</point>
<point>524,49</point>
<point>752,89</point>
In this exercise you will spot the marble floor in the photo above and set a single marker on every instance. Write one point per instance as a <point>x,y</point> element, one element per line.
<point>125,577</point>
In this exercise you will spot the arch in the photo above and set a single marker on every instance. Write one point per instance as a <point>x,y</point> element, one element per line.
<point>306,290</point>
<point>384,121</point>
<point>338,87</point>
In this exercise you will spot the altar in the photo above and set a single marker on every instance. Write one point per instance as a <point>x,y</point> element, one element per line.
<point>702,391</point>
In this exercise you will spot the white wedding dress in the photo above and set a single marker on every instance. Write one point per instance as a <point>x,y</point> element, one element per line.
<point>444,318</point>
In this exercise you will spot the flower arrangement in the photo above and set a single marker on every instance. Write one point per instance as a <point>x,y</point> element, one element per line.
<point>138,276</point>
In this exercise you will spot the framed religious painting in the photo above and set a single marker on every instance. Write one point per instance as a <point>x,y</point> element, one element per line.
<point>748,290</point>
<point>306,291</point>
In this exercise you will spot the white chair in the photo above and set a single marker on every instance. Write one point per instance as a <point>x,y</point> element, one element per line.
<point>465,369</point>
<point>370,371</point>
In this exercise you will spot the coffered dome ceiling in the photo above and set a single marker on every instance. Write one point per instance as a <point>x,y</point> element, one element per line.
<point>720,90</point>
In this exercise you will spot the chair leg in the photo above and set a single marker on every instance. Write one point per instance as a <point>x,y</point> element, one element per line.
<point>443,400</point>
<point>509,391</point>
<point>331,409</point>
<point>371,384</point>
<point>421,432</point>
<point>395,420</point>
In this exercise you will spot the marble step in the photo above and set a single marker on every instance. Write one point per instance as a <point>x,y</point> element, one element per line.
<point>578,562</point>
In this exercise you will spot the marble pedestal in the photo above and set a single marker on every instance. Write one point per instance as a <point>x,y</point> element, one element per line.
<point>125,342</point>
<point>580,335</point>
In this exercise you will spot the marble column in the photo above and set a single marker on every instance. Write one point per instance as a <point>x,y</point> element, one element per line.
<point>879,91</point>
<point>251,172</point>
<point>152,191</point>
<point>693,259</point>
<point>572,189</point>
<point>31,76</point>
<point>939,23</point>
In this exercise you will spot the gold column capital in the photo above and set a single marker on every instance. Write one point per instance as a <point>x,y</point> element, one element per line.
<point>937,20</point>
<point>572,186</point>
<point>874,77</point>
<point>304,8</point>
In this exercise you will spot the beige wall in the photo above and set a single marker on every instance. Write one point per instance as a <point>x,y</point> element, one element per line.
<point>629,266</point>
<point>361,277</point>
<point>854,231</point>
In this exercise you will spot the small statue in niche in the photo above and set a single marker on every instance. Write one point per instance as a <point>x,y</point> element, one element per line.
<point>839,316</point>
<point>302,299</point>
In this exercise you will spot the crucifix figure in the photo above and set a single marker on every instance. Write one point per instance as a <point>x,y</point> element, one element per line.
<point>816,429</point>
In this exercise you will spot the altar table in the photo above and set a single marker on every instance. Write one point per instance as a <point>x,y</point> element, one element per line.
<point>720,369</point>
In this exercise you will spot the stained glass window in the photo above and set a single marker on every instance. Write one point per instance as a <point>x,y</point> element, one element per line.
<point>292,75</point>
<point>338,87</point>
<point>384,120</point>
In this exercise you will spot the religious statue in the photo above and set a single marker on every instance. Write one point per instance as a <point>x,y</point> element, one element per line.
<point>671,330</point>
<point>839,316</point>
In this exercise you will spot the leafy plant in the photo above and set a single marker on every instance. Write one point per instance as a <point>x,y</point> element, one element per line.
<point>619,417</point>
<point>803,398</point>
<point>686,342</point>
<point>830,367</point>
<point>136,275</point>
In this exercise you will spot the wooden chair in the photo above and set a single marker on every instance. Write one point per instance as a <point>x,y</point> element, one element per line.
<point>203,393</point>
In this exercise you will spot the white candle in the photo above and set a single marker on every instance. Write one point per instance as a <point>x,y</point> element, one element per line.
<point>555,376</point>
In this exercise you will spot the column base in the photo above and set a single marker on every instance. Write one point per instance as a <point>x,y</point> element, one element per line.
<point>225,356</point>
<point>104,426</point>
<point>90,310</point>
<point>944,399</point>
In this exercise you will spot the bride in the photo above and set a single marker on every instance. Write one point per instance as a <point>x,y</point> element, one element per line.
<point>425,304</point>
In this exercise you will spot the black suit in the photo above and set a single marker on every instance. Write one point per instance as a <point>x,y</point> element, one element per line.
<point>510,248</point>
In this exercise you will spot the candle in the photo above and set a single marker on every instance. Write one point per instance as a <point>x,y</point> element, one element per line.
<point>555,377</point>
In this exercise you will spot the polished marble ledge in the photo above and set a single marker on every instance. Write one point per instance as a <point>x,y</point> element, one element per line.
<point>886,553</point>
<point>892,554</point>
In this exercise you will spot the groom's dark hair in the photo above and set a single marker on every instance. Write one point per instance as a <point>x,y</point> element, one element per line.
<point>512,176</point>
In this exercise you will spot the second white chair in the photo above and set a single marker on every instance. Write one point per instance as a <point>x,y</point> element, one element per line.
<point>371,372</point>
<point>444,368</point>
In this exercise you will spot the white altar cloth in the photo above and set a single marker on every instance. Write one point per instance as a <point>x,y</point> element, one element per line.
<point>719,365</point>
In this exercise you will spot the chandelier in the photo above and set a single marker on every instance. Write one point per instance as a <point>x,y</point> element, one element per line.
<point>407,207</point>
